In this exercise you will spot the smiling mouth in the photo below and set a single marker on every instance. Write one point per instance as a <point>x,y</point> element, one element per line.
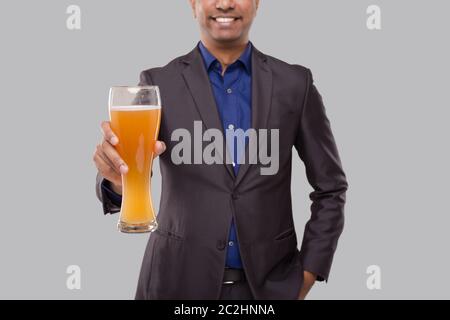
<point>225,20</point>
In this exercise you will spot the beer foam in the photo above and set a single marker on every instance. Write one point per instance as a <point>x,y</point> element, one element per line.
<point>134,108</point>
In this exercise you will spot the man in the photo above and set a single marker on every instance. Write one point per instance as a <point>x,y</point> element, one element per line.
<point>225,230</point>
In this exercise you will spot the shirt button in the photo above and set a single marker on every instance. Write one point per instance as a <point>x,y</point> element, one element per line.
<point>230,243</point>
<point>234,164</point>
<point>229,90</point>
<point>230,126</point>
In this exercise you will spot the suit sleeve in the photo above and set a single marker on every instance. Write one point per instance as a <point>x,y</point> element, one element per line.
<point>316,147</point>
<point>110,200</point>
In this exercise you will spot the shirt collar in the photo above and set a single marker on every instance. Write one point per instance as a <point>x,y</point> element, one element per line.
<point>245,58</point>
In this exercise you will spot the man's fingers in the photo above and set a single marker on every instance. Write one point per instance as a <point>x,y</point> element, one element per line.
<point>108,134</point>
<point>106,170</point>
<point>160,147</point>
<point>102,155</point>
<point>114,157</point>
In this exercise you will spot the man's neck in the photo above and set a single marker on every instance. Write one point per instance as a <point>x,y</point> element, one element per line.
<point>227,53</point>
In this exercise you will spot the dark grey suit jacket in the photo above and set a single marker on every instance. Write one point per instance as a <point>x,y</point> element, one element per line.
<point>185,257</point>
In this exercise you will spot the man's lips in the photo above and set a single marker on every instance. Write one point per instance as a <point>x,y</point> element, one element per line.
<point>225,19</point>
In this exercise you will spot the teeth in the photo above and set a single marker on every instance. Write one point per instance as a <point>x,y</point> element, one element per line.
<point>224,20</point>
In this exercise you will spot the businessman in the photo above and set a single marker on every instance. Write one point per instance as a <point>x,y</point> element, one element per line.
<point>226,231</point>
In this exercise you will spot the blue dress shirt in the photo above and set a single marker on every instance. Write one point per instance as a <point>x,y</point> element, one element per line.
<point>232,93</point>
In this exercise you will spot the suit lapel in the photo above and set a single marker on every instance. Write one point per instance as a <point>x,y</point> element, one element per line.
<point>198,83</point>
<point>261,102</point>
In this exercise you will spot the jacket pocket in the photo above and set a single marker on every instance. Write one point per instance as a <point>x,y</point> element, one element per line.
<point>285,234</point>
<point>168,234</point>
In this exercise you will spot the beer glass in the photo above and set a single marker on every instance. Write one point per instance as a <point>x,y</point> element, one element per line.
<point>135,114</point>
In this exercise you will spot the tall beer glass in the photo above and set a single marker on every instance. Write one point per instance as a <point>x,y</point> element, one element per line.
<point>135,114</point>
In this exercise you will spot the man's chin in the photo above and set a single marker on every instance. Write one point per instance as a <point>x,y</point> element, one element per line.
<point>227,39</point>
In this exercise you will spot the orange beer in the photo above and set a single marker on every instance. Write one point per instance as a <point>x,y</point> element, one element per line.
<point>137,127</point>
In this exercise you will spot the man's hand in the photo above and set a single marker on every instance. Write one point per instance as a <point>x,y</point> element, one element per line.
<point>108,161</point>
<point>308,282</point>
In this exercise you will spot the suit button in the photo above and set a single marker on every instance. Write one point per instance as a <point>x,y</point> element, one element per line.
<point>234,196</point>
<point>220,244</point>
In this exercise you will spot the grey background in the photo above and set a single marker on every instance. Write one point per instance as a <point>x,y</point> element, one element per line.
<point>386,94</point>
